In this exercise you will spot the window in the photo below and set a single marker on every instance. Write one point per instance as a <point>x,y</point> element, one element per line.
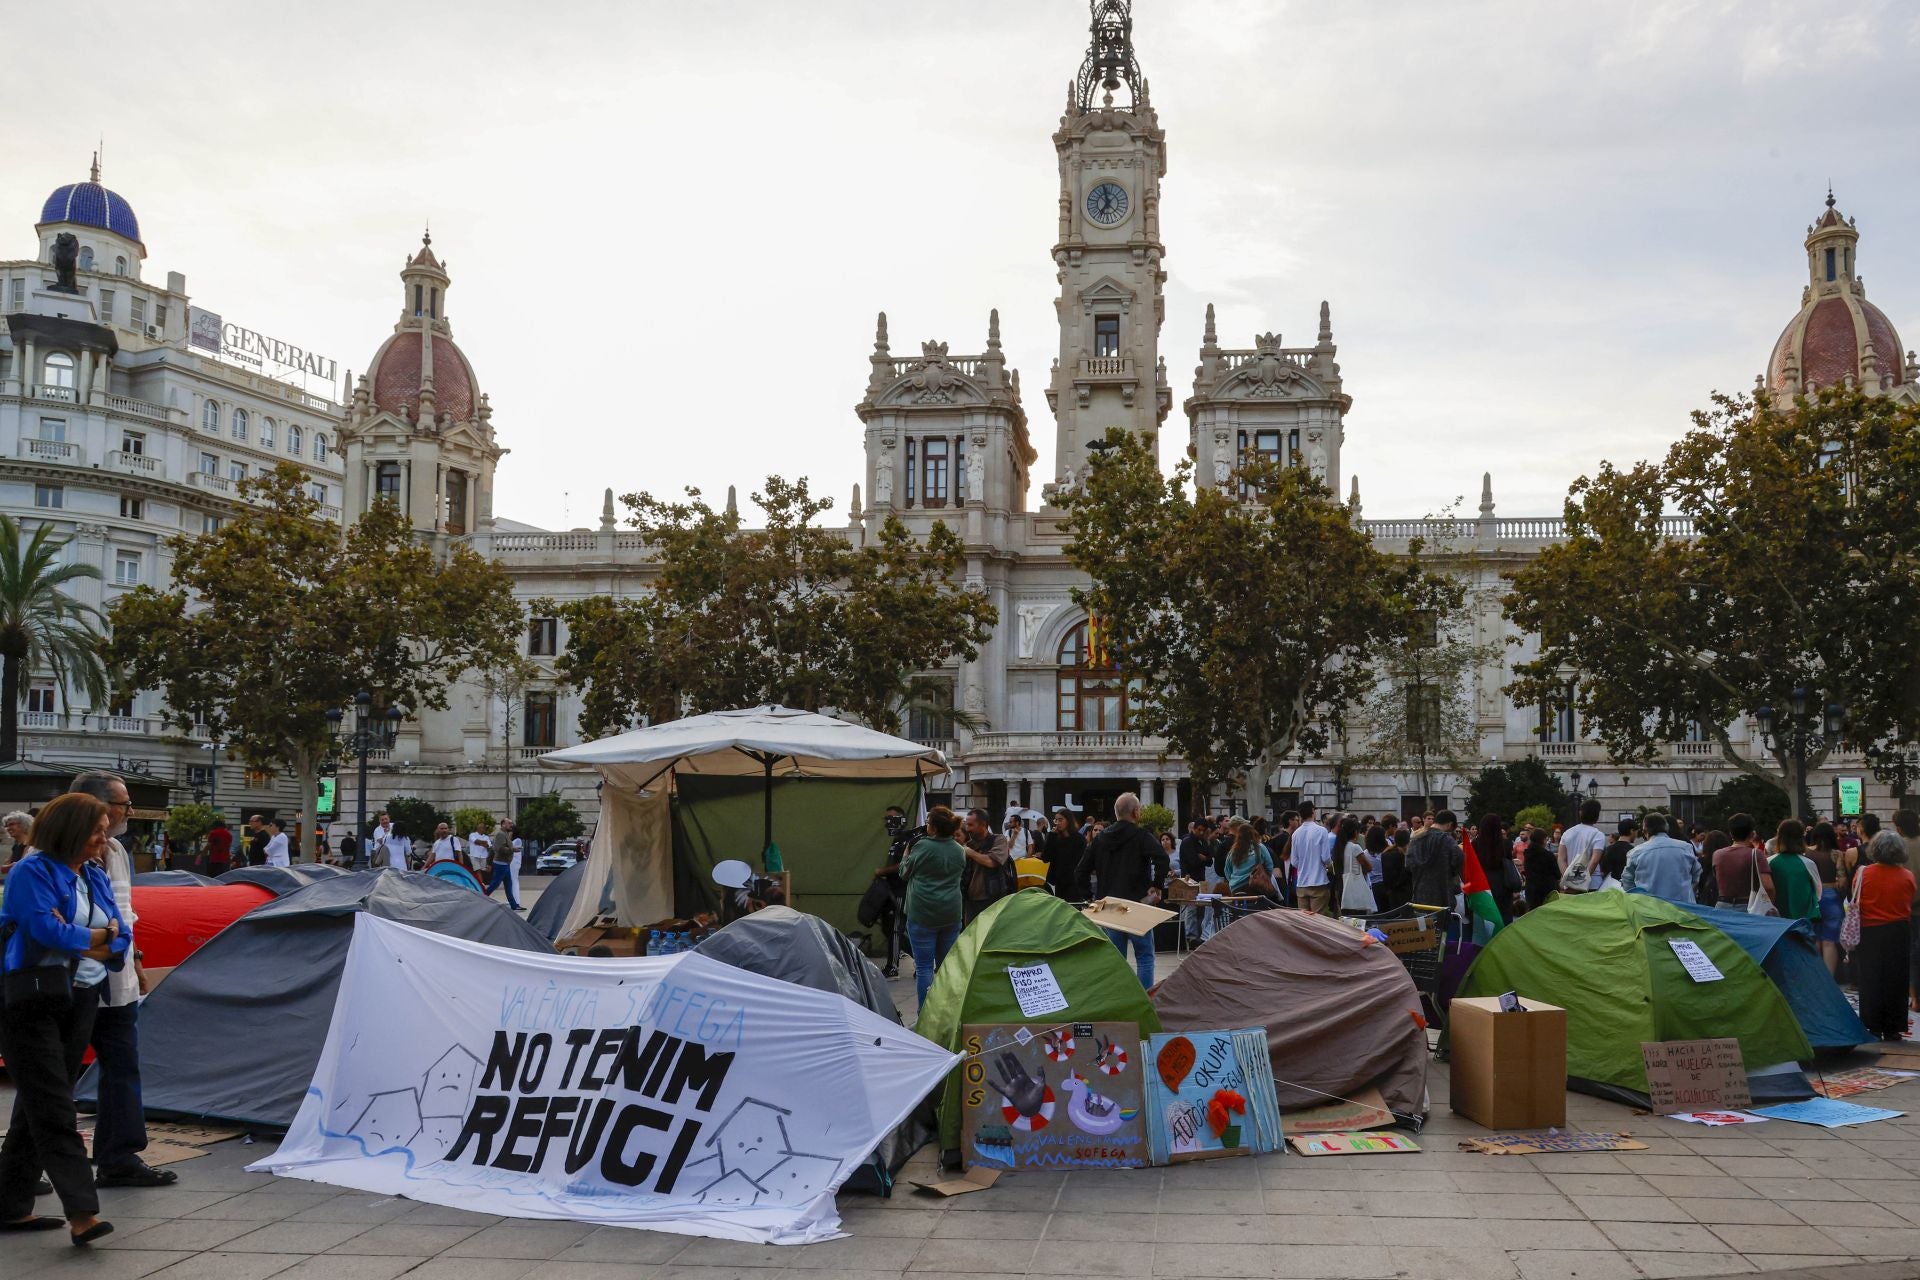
<point>160,316</point>
<point>50,497</point>
<point>320,494</point>
<point>134,442</point>
<point>930,701</point>
<point>210,416</point>
<point>236,470</point>
<point>913,470</point>
<point>209,464</point>
<point>1266,444</point>
<point>1090,695</point>
<point>1557,720</point>
<point>294,443</point>
<point>960,493</point>
<point>198,775</point>
<point>106,306</point>
<point>933,471</point>
<point>538,721</point>
<point>266,433</point>
<point>433,303</point>
<point>120,265</point>
<point>386,482</point>
<point>132,508</point>
<point>239,424</point>
<point>121,708</point>
<point>57,370</point>
<point>419,298</point>
<point>212,524</point>
<point>457,506</point>
<point>1832,263</point>
<point>543,637</point>
<point>53,430</point>
<point>1106,335</point>
<point>40,698</point>
<point>319,446</point>
<point>126,568</point>
<point>86,257</point>
<point>137,312</point>
<point>19,294</point>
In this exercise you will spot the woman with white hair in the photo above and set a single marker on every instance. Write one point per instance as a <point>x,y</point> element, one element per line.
<point>18,824</point>
<point>1883,895</point>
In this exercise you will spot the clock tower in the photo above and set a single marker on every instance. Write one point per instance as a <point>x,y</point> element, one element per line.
<point>1109,372</point>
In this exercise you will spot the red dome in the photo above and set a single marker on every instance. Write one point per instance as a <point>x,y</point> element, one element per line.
<point>1827,340</point>
<point>396,376</point>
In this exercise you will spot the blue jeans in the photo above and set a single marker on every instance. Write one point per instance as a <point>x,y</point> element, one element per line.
<point>120,1131</point>
<point>1142,953</point>
<point>501,873</point>
<point>930,944</point>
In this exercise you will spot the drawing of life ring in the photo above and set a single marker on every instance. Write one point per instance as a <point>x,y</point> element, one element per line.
<point>1058,1048</point>
<point>1028,1124</point>
<point>1113,1061</point>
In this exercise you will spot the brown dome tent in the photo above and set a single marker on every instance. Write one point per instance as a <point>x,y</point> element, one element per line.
<point>1339,1010</point>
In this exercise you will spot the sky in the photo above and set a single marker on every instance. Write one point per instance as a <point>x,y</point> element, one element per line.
<point>1547,232</point>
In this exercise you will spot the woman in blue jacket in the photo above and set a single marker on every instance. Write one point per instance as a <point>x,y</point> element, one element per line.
<point>58,913</point>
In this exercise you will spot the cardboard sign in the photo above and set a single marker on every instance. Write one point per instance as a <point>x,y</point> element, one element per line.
<point>1845,1084</point>
<point>1071,1097</point>
<point>975,1179</point>
<point>1366,1110</point>
<point>1351,1144</point>
<point>1210,1094</point>
<point>1698,964</point>
<point>1136,918</point>
<point>1408,937</point>
<point>1550,1142</point>
<point>1037,990</point>
<point>1717,1119</point>
<point>1695,1075</point>
<point>1826,1112</point>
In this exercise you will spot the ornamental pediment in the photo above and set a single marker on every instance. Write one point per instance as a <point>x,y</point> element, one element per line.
<point>1269,375</point>
<point>933,379</point>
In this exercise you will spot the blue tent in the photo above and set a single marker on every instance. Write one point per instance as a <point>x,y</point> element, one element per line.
<point>453,873</point>
<point>1790,953</point>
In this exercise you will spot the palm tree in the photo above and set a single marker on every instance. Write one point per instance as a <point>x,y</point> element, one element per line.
<point>41,625</point>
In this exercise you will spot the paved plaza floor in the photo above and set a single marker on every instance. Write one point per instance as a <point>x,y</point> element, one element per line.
<point>1697,1202</point>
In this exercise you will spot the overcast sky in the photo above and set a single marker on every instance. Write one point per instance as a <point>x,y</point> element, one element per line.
<point>1547,231</point>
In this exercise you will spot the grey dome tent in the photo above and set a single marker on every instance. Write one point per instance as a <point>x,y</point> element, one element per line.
<point>790,945</point>
<point>171,879</point>
<point>549,911</point>
<point>235,1031</point>
<point>281,881</point>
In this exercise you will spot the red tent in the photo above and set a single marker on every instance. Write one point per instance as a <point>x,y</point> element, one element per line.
<point>175,922</point>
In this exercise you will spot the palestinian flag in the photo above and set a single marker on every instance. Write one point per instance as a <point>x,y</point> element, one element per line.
<point>1482,913</point>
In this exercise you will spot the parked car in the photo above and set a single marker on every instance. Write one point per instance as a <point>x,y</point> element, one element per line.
<point>557,857</point>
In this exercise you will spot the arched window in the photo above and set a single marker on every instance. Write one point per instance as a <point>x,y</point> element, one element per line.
<point>86,257</point>
<point>210,416</point>
<point>294,442</point>
<point>319,446</point>
<point>239,424</point>
<point>57,370</point>
<point>1090,695</point>
<point>266,432</point>
<point>120,266</point>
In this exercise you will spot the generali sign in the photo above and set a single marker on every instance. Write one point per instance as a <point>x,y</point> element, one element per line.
<point>206,331</point>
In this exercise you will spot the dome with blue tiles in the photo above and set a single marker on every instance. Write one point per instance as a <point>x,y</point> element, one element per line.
<point>92,205</point>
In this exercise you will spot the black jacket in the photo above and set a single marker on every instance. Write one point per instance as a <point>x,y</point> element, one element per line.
<point>1063,851</point>
<point>1128,860</point>
<point>1197,861</point>
<point>1434,863</point>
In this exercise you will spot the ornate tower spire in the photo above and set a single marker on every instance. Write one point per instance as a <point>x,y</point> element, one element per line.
<point>1209,337</point>
<point>1110,62</point>
<point>1326,323</point>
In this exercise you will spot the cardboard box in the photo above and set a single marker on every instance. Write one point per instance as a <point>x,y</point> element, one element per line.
<point>1509,1070</point>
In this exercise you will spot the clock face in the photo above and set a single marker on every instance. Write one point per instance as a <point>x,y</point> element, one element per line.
<point>1107,203</point>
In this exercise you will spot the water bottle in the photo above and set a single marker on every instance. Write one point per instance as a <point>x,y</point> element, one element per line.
<point>653,943</point>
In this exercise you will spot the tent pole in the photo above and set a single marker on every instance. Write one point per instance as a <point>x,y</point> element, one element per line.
<point>767,844</point>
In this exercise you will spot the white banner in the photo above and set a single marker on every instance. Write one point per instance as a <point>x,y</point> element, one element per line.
<point>674,1093</point>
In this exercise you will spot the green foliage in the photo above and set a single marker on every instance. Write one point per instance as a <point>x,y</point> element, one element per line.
<point>280,616</point>
<point>1538,815</point>
<point>1157,818</point>
<point>41,626</point>
<point>1506,789</point>
<point>416,818</point>
<point>471,818</point>
<point>793,613</point>
<point>189,823</point>
<point>1759,798</point>
<point>1186,581</point>
<point>549,817</point>
<point>1804,551</point>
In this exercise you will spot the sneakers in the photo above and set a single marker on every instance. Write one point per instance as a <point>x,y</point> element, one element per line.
<point>137,1174</point>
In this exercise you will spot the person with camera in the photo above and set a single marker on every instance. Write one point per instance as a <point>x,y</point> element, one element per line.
<point>881,904</point>
<point>63,934</point>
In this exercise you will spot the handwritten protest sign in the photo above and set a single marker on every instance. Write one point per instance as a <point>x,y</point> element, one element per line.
<point>1695,1075</point>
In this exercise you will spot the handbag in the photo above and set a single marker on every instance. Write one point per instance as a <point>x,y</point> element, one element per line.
<point>44,988</point>
<point>1850,926</point>
<point>1356,892</point>
<point>1577,878</point>
<point>1758,903</point>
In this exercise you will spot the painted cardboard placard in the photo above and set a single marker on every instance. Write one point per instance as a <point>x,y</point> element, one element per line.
<point>1845,1084</point>
<point>1136,918</point>
<point>1695,1075</point>
<point>1351,1144</point>
<point>1036,989</point>
<point>1717,1119</point>
<point>1698,964</point>
<point>1408,937</point>
<point>1071,1097</point>
<point>1210,1094</point>
<point>1551,1142</point>
<point>1365,1110</point>
<point>1828,1113</point>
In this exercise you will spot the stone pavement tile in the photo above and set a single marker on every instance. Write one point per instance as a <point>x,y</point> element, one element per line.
<point>1538,1208</point>
<point>1731,1211</point>
<point>676,1271</point>
<point>1520,1233</point>
<point>1718,1186</point>
<point>1630,1209</point>
<point>1789,1261</point>
<point>1687,1164</point>
<point>440,1215</point>
<point>1762,1167</point>
<point>1199,1228</point>
<point>984,1257</point>
<point>1499,1180</point>
<point>1215,1200</point>
<point>157,1202</point>
<point>360,1208</point>
<point>850,1253</point>
<point>340,1266</point>
<point>1405,1176</point>
<point>1006,1225</point>
<point>869,1222</point>
<point>1418,1262</point>
<point>1101,1200</point>
<point>295,1237</point>
<point>1911,1212</point>
<point>1805,1189</point>
<point>1130,1179</point>
<point>524,1239</point>
<point>1795,1238</point>
<point>1092,1258</point>
<point>1432,1233</point>
<point>1904,1241</point>
<point>1665,1237</point>
<point>1660,1266</point>
<point>229,1266</point>
<point>1853,1164</point>
<point>635,1271</point>
<point>175,1233</point>
<point>473,1269</point>
<point>1266,1262</point>
<point>1022,1198</point>
<point>1880,1191</point>
<point>625,1245</point>
<point>126,1264</point>
<point>261,1206</point>
<point>1559,1264</point>
<point>1291,1228</point>
<point>1600,1184</point>
<point>1586,1162</point>
<point>1289,1200</point>
<point>407,1237</point>
<point>1845,1213</point>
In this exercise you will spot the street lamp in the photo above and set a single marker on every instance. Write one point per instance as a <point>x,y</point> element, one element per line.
<point>213,775</point>
<point>362,727</point>
<point>1799,736</point>
<point>1897,766</point>
<point>1575,793</point>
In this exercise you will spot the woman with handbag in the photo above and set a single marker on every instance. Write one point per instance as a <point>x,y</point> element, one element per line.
<point>63,932</point>
<point>1352,889</point>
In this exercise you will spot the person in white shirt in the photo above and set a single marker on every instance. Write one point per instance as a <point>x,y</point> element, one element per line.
<point>1312,862</point>
<point>1582,844</point>
<point>512,840</point>
<point>382,845</point>
<point>446,845</point>
<point>480,851</point>
<point>277,853</point>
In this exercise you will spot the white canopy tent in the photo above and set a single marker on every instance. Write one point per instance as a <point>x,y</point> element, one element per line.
<point>631,857</point>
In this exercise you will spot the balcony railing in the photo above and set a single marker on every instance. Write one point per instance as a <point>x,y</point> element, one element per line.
<point>1106,367</point>
<point>1090,742</point>
<point>531,753</point>
<point>945,746</point>
<point>51,451</point>
<point>207,480</point>
<point>59,395</point>
<point>138,408</point>
<point>138,464</point>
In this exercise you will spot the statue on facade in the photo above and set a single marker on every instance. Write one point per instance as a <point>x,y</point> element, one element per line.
<point>883,482</point>
<point>66,260</point>
<point>977,475</point>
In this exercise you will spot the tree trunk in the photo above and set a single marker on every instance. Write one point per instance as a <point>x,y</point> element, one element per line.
<point>306,768</point>
<point>9,708</point>
<point>1256,786</point>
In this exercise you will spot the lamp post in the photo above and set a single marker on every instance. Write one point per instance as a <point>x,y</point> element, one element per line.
<point>1896,766</point>
<point>1800,735</point>
<point>213,776</point>
<point>363,719</point>
<point>1574,792</point>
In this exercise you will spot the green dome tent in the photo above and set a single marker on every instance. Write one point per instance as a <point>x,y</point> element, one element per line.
<point>1029,927</point>
<point>1606,959</point>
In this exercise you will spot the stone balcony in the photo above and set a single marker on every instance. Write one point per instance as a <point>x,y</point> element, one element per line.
<point>61,451</point>
<point>211,483</point>
<point>1092,745</point>
<point>133,464</point>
